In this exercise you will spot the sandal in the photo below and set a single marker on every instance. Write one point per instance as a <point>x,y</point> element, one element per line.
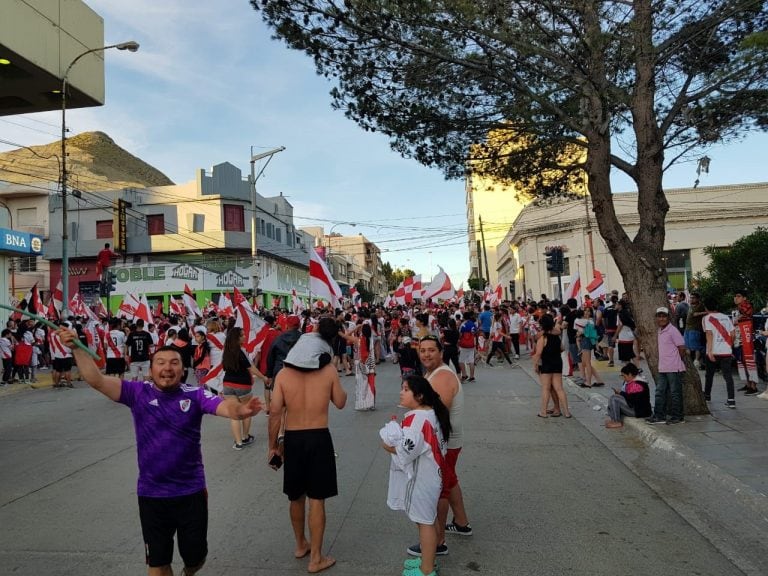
<point>553,415</point>
<point>569,415</point>
<point>598,384</point>
<point>550,411</point>
<point>582,385</point>
<point>540,416</point>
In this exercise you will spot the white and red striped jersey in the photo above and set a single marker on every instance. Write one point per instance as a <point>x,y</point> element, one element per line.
<point>114,344</point>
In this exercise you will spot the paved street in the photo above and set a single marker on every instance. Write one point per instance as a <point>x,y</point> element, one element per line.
<point>544,496</point>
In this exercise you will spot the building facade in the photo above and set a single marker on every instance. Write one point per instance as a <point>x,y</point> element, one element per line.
<point>698,218</point>
<point>196,234</point>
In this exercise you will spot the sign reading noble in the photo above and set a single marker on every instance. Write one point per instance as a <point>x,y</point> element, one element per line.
<point>15,242</point>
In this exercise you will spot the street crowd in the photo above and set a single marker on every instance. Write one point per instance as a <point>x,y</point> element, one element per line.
<point>172,371</point>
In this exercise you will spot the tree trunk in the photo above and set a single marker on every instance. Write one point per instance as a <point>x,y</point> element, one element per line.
<point>639,260</point>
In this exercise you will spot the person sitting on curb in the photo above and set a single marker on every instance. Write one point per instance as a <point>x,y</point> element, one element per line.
<point>634,398</point>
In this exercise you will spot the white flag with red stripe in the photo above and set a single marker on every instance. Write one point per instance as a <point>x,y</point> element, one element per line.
<point>57,298</point>
<point>400,294</point>
<point>596,288</point>
<point>574,288</point>
<point>225,305</point>
<point>129,306</point>
<point>189,301</point>
<point>296,304</point>
<point>252,326</point>
<point>321,283</point>
<point>440,288</point>
<point>142,310</point>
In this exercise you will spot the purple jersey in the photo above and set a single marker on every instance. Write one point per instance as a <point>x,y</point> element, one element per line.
<point>167,428</point>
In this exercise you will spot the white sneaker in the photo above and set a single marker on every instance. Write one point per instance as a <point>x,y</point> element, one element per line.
<point>517,357</point>
<point>764,395</point>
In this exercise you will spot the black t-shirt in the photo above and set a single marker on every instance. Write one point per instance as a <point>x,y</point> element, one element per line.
<point>241,375</point>
<point>138,346</point>
<point>570,318</point>
<point>610,317</point>
<point>450,337</point>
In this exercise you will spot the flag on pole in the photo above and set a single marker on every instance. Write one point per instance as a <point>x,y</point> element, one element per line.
<point>142,310</point>
<point>321,283</point>
<point>129,305</point>
<point>400,294</point>
<point>237,296</point>
<point>440,288</point>
<point>225,305</point>
<point>101,310</point>
<point>296,304</point>
<point>57,298</point>
<point>495,295</point>
<point>252,326</point>
<point>175,307</point>
<point>416,291</point>
<point>596,288</point>
<point>355,296</point>
<point>190,302</point>
<point>574,288</point>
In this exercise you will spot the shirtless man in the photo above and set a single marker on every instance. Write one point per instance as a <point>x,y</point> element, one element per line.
<point>167,414</point>
<point>446,383</point>
<point>303,392</point>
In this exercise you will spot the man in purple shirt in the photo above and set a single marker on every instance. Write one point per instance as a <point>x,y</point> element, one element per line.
<point>671,370</point>
<point>171,488</point>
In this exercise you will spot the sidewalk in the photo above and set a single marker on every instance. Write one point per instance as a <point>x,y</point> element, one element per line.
<point>732,440</point>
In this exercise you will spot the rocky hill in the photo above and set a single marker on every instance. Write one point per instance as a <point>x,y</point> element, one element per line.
<point>94,162</point>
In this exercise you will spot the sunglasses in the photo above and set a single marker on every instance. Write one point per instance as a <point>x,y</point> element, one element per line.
<point>428,339</point>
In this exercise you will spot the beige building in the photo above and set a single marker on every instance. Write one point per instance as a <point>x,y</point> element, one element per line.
<point>712,216</point>
<point>491,208</point>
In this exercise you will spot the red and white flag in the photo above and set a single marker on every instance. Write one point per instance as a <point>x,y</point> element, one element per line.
<point>175,307</point>
<point>225,305</point>
<point>76,306</point>
<point>400,294</point>
<point>321,283</point>
<point>440,288</point>
<point>189,301</point>
<point>416,291</point>
<point>253,326</point>
<point>408,285</point>
<point>129,306</point>
<point>237,296</point>
<point>57,297</point>
<point>142,310</point>
<point>101,310</point>
<point>355,296</point>
<point>574,288</point>
<point>596,288</point>
<point>158,311</point>
<point>495,296</point>
<point>296,304</point>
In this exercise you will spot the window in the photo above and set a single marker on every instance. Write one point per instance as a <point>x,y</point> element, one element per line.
<point>196,222</point>
<point>270,230</point>
<point>27,264</point>
<point>233,218</point>
<point>104,229</point>
<point>27,217</point>
<point>155,224</point>
<point>288,236</point>
<point>262,229</point>
<point>278,234</point>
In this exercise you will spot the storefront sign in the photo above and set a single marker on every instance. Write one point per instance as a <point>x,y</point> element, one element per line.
<point>15,242</point>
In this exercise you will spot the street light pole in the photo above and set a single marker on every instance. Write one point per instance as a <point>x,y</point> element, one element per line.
<point>131,46</point>
<point>252,179</point>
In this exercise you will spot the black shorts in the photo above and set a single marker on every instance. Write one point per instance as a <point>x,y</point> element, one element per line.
<point>310,464</point>
<point>626,351</point>
<point>553,367</point>
<point>185,516</point>
<point>62,364</point>
<point>115,366</point>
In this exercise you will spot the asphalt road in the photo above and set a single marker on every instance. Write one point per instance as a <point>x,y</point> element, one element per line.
<point>543,496</point>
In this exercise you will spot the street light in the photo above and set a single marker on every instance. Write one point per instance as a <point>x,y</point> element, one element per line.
<point>252,179</point>
<point>131,46</point>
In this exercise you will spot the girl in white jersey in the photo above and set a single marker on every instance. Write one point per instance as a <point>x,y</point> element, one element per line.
<point>414,477</point>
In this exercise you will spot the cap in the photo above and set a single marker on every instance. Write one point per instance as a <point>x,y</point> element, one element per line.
<point>293,322</point>
<point>662,310</point>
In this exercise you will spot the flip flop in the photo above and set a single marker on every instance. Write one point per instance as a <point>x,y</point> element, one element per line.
<point>569,415</point>
<point>555,415</point>
<point>582,385</point>
<point>540,416</point>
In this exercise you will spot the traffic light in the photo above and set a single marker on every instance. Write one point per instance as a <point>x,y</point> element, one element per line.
<point>559,262</point>
<point>111,281</point>
<point>512,289</point>
<point>551,257</point>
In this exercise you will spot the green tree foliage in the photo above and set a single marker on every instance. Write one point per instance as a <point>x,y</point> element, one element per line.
<point>516,85</point>
<point>741,266</point>
<point>398,276</point>
<point>365,294</point>
<point>476,283</point>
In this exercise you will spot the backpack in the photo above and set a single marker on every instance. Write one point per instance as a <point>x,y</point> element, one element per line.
<point>467,340</point>
<point>591,332</point>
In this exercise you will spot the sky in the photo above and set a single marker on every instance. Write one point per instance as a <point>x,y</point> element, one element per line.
<point>209,83</point>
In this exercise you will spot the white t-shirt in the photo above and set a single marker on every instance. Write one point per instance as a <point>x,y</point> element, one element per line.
<point>115,344</point>
<point>515,323</point>
<point>722,344</point>
<point>414,473</point>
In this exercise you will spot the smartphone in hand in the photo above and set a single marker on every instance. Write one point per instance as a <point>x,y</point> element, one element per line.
<point>276,461</point>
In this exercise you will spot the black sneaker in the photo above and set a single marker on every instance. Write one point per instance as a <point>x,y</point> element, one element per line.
<point>415,550</point>
<point>731,404</point>
<point>675,421</point>
<point>237,446</point>
<point>751,392</point>
<point>248,440</point>
<point>454,528</point>
<point>743,388</point>
<point>708,398</point>
<point>655,420</point>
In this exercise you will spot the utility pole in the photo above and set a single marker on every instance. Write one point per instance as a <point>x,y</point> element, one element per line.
<point>479,264</point>
<point>252,180</point>
<point>485,254</point>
